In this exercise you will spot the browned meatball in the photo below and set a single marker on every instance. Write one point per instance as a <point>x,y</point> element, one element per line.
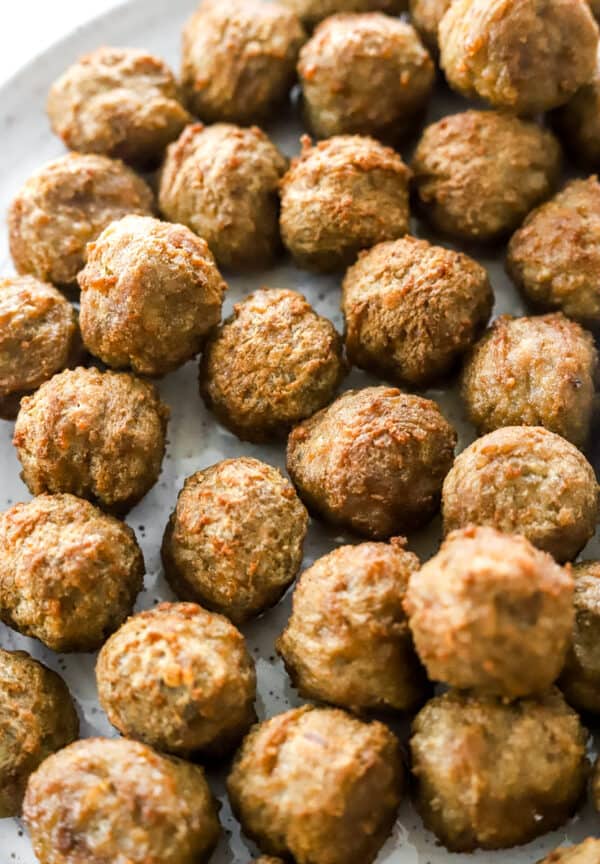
<point>118,101</point>
<point>412,309</point>
<point>342,780</point>
<point>477,174</point>
<point>234,541</point>
<point>374,461</point>
<point>102,800</point>
<point>69,574</point>
<point>312,12</point>
<point>272,363</point>
<point>580,679</point>
<point>64,206</point>
<point>426,16</point>
<point>525,480</point>
<point>492,774</point>
<point>37,717</point>
<point>221,181</point>
<point>150,292</point>
<point>578,122</point>
<point>99,435</point>
<point>366,74</point>
<point>587,852</point>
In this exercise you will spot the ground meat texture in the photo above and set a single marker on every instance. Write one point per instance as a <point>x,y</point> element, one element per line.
<point>492,774</point>
<point>526,56</point>
<point>413,309</point>
<point>37,717</point>
<point>477,174</point>
<point>578,122</point>
<point>312,12</point>
<point>587,852</point>
<point>374,461</point>
<point>234,542</point>
<point>342,780</point>
<point>99,435</point>
<point>102,800</point>
<point>525,480</point>
<point>66,205</point>
<point>120,102</point>
<point>150,292</point>
<point>365,74</point>
<point>580,678</point>
<point>69,574</point>
<point>426,16</point>
<point>538,371</point>
<point>341,196</point>
<point>347,641</point>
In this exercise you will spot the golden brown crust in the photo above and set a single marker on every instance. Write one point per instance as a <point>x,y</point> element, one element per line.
<point>578,122</point>
<point>587,852</point>
<point>580,678</point>
<point>312,12</point>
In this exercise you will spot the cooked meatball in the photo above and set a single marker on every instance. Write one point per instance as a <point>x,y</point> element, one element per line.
<point>102,800</point>
<point>580,679</point>
<point>477,174</point>
<point>587,852</point>
<point>412,309</point>
<point>367,74</point>
<point>342,779</point>
<point>578,122</point>
<point>120,102</point>
<point>64,206</point>
<point>272,363</point>
<point>234,541</point>
<point>312,12</point>
<point>426,16</point>
<point>347,641</point>
<point>523,55</point>
<point>525,480</point>
<point>492,774</point>
<point>99,435</point>
<point>374,461</point>
<point>37,717</point>
<point>150,292</point>
<point>221,181</point>
<point>69,574</point>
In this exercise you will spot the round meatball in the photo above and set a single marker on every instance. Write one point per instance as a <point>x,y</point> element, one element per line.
<point>580,678</point>
<point>426,16</point>
<point>525,480</point>
<point>272,363</point>
<point>539,371</point>
<point>492,774</point>
<point>491,612</point>
<point>343,780</point>
<point>413,309</point>
<point>587,852</point>
<point>99,435</point>
<point>578,122</point>
<point>374,461</point>
<point>178,678</point>
<point>103,800</point>
<point>523,55</point>
<point>37,717</point>
<point>341,196</point>
<point>366,74</point>
<point>150,292</point>
<point>234,541</point>
<point>69,574</point>
<point>66,205</point>
<point>347,641</point>
<point>312,12</point>
<point>222,181</point>
<point>120,102</point>
<point>477,174</point>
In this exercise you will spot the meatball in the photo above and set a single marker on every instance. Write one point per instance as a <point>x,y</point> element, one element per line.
<point>477,174</point>
<point>523,55</point>
<point>492,774</point>
<point>272,363</point>
<point>69,574</point>
<point>525,480</point>
<point>347,641</point>
<point>312,12</point>
<point>580,679</point>
<point>341,196</point>
<point>37,717</point>
<point>234,541</point>
<point>538,371</point>
<point>491,612</point>
<point>222,181</point>
<point>66,205</point>
<point>412,309</point>
<point>99,435</point>
<point>343,780</point>
<point>150,292</point>
<point>120,102</point>
<point>578,122</point>
<point>587,852</point>
<point>366,74</point>
<point>374,461</point>
<point>102,800</point>
<point>426,16</point>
